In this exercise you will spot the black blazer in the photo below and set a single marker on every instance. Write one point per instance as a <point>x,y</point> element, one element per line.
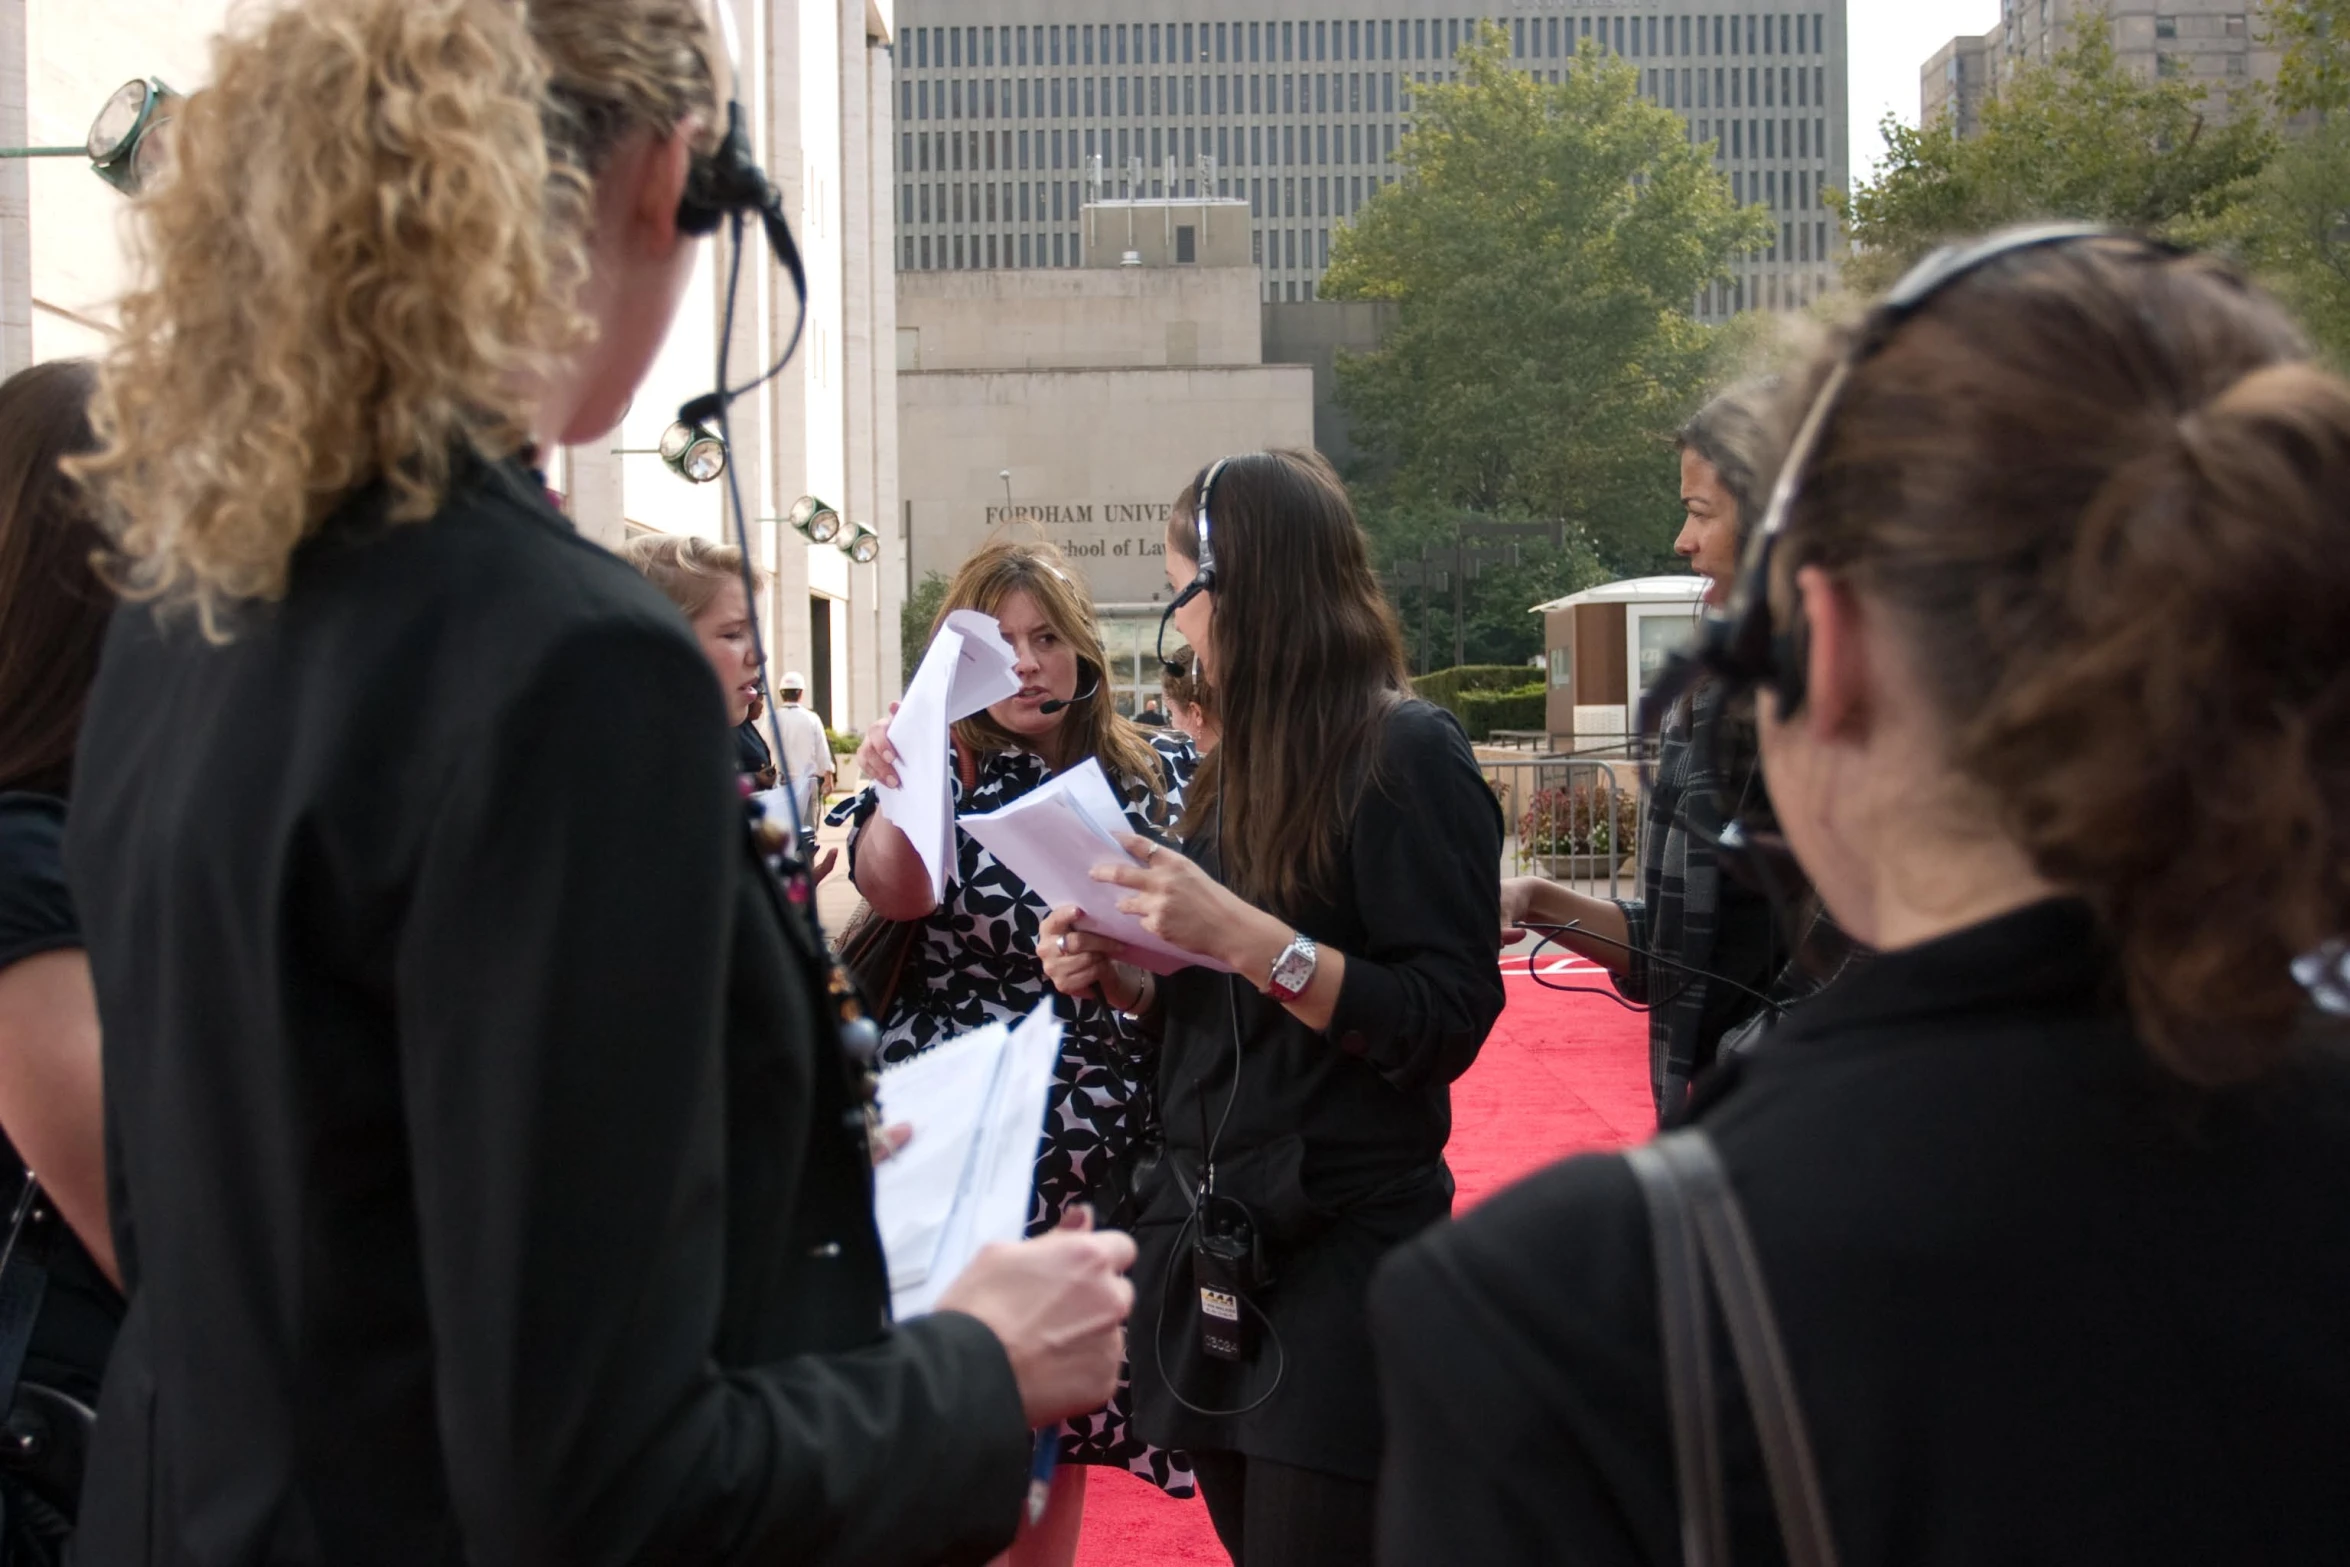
<point>2041,1303</point>
<point>1335,1139</point>
<point>487,1187</point>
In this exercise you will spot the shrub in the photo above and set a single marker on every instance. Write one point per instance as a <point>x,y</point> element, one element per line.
<point>842,745</point>
<point>1445,687</point>
<point>1482,712</point>
<point>1486,697</point>
<point>1585,819</point>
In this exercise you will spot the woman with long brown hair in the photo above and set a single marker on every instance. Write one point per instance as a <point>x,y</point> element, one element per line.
<point>53,611</point>
<point>971,958</point>
<point>2033,1232</point>
<point>1339,850</point>
<point>493,1181</point>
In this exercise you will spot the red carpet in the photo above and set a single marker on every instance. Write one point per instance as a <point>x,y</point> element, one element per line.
<point>1560,1073</point>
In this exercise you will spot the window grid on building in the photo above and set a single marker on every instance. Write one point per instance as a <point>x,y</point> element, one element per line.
<point>1303,115</point>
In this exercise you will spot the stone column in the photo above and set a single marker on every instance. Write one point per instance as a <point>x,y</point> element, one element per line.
<point>889,572</point>
<point>866,247</point>
<point>783,151</point>
<point>16,212</point>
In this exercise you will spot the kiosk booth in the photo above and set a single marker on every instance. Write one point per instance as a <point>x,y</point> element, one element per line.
<point>1603,646</point>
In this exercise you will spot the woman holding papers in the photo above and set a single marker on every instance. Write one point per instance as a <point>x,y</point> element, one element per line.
<point>973,961</point>
<point>1338,854</point>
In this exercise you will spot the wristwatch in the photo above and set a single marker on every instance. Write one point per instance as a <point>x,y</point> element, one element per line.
<point>1293,971</point>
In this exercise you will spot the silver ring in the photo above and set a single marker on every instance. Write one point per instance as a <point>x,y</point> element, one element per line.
<point>1150,855</point>
<point>1061,945</point>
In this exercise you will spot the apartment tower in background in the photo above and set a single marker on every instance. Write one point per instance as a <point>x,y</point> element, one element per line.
<point>2215,42</point>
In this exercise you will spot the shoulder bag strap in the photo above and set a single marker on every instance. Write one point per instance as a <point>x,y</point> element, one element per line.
<point>1689,1373</point>
<point>1737,1278</point>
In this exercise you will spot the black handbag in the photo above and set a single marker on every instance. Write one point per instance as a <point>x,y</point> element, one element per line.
<point>1704,1254</point>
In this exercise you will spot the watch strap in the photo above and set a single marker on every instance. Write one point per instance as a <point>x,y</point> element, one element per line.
<point>1293,969</point>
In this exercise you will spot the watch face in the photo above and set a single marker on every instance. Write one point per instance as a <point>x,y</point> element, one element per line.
<point>1294,969</point>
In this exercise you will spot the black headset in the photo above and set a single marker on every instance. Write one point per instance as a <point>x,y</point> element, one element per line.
<point>1745,645</point>
<point>1205,581</point>
<point>725,183</point>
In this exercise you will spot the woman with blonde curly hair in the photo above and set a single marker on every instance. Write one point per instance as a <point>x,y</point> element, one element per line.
<point>488,1181</point>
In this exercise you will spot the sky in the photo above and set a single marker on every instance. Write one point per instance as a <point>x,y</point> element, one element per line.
<point>1891,39</point>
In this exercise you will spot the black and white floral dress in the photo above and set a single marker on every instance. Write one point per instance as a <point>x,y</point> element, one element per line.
<point>974,962</point>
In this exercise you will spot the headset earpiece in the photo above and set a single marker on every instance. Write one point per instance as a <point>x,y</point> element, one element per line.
<point>1748,645</point>
<point>1206,581</point>
<point>723,180</point>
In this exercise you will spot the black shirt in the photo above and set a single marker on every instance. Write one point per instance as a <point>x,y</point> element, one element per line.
<point>488,1186</point>
<point>2041,1302</point>
<point>36,912</point>
<point>1335,1139</point>
<point>750,748</point>
<point>80,1309</point>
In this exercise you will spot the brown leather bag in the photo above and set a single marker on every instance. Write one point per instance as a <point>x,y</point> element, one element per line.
<point>874,951</point>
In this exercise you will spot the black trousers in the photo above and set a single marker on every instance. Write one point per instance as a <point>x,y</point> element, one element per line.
<point>1278,1515</point>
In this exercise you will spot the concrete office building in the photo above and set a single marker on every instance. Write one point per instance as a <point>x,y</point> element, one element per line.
<point>1003,103</point>
<point>817,87</point>
<point>1074,403</point>
<point>2216,42</point>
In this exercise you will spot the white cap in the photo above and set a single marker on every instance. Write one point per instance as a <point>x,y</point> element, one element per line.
<point>792,680</point>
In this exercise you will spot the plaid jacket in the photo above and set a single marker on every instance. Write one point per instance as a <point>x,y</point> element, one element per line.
<point>1680,891</point>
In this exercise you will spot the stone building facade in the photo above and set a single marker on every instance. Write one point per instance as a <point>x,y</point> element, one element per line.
<point>818,87</point>
<point>1073,404</point>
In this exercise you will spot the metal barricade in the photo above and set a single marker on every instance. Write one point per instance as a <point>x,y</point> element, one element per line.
<point>1569,818</point>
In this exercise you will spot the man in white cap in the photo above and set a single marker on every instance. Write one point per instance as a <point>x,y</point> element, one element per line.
<point>807,752</point>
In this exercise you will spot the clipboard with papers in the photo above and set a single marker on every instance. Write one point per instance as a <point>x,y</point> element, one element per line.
<point>977,1107</point>
<point>1052,838</point>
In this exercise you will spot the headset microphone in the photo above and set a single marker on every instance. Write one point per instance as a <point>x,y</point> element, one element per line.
<point>1058,703</point>
<point>728,182</point>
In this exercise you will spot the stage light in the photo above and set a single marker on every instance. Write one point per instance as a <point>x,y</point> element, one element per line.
<point>817,522</point>
<point>124,150</point>
<point>693,453</point>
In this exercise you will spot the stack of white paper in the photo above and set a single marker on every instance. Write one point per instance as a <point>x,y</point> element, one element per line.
<point>968,667</point>
<point>1052,838</point>
<point>977,1106</point>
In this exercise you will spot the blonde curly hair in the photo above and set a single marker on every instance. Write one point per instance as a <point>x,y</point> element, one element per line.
<point>367,246</point>
<point>689,571</point>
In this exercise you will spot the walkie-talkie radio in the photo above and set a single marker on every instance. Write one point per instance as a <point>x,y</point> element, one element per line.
<point>1228,1267</point>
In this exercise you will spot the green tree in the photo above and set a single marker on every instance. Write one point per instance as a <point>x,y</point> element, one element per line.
<point>2081,136</point>
<point>2293,231</point>
<point>1543,249</point>
<point>1495,626</point>
<point>2314,39</point>
<point>917,615</point>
